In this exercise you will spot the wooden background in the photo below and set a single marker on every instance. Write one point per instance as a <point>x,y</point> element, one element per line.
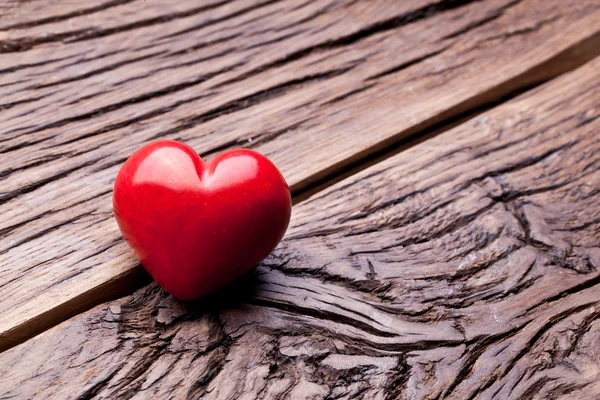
<point>444,160</point>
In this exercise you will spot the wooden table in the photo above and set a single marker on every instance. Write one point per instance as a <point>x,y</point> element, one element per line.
<point>444,158</point>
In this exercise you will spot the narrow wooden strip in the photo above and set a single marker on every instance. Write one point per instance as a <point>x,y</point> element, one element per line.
<point>321,86</point>
<point>465,267</point>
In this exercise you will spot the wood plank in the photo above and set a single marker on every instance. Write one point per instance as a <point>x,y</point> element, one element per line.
<point>320,86</point>
<point>466,267</point>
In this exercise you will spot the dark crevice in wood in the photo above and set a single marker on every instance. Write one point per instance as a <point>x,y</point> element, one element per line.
<point>27,43</point>
<point>8,229</point>
<point>362,34</point>
<point>323,315</point>
<point>535,389</point>
<point>79,271</point>
<point>545,328</point>
<point>522,31</point>
<point>20,67</point>
<point>45,232</point>
<point>66,16</point>
<point>398,381</point>
<point>274,40</point>
<point>41,161</point>
<point>14,83</point>
<point>450,68</point>
<point>7,106</point>
<point>224,18</point>
<point>254,99</point>
<point>264,137</point>
<point>367,286</point>
<point>98,71</point>
<point>217,149</point>
<point>115,106</point>
<point>7,196</point>
<point>582,226</point>
<point>33,267</point>
<point>345,96</point>
<point>319,12</point>
<point>479,346</point>
<point>520,165</point>
<point>83,60</point>
<point>131,121</point>
<point>92,391</point>
<point>462,221</point>
<point>198,389</point>
<point>530,136</point>
<point>363,315</point>
<point>24,44</point>
<point>513,195</point>
<point>575,289</point>
<point>407,64</point>
<point>199,46</point>
<point>586,121</point>
<point>477,24</point>
<point>86,97</point>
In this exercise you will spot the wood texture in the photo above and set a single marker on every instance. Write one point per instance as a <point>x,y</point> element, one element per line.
<point>465,267</point>
<point>314,85</point>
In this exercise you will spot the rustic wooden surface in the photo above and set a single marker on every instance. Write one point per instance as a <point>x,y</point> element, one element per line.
<point>464,267</point>
<point>316,86</point>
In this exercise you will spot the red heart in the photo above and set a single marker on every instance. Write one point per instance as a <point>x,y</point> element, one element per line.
<point>196,226</point>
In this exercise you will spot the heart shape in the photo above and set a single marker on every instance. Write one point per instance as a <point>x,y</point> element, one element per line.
<point>194,225</point>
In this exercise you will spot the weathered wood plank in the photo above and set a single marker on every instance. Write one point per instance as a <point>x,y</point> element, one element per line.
<point>464,267</point>
<point>318,87</point>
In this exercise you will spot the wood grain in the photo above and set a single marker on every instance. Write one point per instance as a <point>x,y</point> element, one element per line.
<point>313,85</point>
<point>464,267</point>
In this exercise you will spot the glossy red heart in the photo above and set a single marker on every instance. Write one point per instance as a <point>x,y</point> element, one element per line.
<point>195,225</point>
